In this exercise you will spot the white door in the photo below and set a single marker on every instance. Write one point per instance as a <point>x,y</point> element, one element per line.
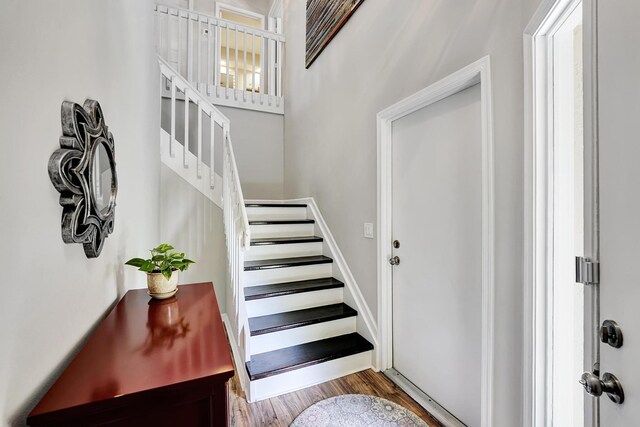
<point>437,221</point>
<point>619,201</point>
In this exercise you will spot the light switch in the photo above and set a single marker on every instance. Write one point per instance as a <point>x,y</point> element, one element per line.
<point>368,230</point>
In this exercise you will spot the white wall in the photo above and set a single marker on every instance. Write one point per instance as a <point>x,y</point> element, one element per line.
<point>386,52</point>
<point>52,294</point>
<point>194,224</point>
<point>258,145</point>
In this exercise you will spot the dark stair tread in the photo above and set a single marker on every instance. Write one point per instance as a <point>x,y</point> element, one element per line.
<point>299,318</point>
<point>287,359</point>
<point>281,221</point>
<point>288,288</point>
<point>275,205</point>
<point>267,264</point>
<point>284,240</point>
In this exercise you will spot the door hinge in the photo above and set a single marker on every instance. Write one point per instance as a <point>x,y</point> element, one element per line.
<point>587,271</point>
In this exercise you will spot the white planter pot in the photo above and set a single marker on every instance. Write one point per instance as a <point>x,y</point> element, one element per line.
<point>160,287</point>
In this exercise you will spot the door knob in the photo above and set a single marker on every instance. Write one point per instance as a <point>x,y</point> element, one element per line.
<point>609,384</point>
<point>394,261</point>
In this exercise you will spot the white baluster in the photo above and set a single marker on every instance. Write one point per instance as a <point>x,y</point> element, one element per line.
<point>199,141</point>
<point>272,67</point>
<point>165,35</point>
<point>262,52</point>
<point>212,150</point>
<point>217,57</point>
<point>173,118</point>
<point>279,83</point>
<point>186,129</point>
<point>244,63</point>
<point>209,63</point>
<point>235,77</point>
<point>253,66</point>
<point>179,69</point>
<point>158,20</point>
<point>189,48</point>
<point>227,66</point>
<point>199,36</point>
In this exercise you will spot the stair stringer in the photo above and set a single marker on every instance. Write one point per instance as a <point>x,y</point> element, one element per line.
<point>190,173</point>
<point>365,323</point>
<point>241,372</point>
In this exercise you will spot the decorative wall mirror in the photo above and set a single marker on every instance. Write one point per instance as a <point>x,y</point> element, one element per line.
<point>83,170</point>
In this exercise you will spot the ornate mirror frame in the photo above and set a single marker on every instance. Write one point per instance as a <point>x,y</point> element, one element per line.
<point>72,172</point>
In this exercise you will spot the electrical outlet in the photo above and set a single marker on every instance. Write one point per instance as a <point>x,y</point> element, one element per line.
<point>368,230</point>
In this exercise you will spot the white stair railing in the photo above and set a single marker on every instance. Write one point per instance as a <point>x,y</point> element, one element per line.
<point>236,225</point>
<point>233,64</point>
<point>193,169</point>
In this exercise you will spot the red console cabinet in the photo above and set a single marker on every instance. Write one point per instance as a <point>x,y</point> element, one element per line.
<point>150,362</point>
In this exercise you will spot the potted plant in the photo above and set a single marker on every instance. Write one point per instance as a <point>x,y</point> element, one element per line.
<point>162,270</point>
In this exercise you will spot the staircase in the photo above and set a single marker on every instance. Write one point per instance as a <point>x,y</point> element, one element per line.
<point>301,332</point>
<point>287,320</point>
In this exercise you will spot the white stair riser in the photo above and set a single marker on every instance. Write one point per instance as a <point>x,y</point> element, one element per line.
<point>301,335</point>
<point>288,250</point>
<point>281,304</point>
<point>288,274</point>
<point>305,377</point>
<point>266,213</point>
<point>282,230</point>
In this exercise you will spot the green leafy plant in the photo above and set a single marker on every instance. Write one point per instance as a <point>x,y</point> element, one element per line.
<point>162,261</point>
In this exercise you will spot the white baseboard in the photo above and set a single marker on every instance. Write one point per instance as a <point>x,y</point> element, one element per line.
<point>440,413</point>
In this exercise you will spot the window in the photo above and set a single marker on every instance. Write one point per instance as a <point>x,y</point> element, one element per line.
<point>240,51</point>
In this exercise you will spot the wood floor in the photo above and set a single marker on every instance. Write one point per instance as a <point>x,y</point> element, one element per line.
<point>282,410</point>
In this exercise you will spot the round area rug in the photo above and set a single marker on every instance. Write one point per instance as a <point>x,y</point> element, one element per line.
<point>355,410</point>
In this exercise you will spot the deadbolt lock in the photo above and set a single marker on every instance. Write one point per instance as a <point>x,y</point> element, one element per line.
<point>610,333</point>
<point>609,384</point>
<point>396,244</point>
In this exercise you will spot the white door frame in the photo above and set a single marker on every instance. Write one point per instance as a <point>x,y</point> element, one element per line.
<point>276,13</point>
<point>538,166</point>
<point>478,72</point>
<point>248,13</point>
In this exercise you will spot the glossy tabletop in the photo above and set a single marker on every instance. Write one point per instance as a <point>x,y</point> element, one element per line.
<point>142,345</point>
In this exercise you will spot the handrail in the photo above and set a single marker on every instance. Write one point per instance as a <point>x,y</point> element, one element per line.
<point>236,222</point>
<point>194,95</point>
<point>243,209</point>
<point>237,231</point>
